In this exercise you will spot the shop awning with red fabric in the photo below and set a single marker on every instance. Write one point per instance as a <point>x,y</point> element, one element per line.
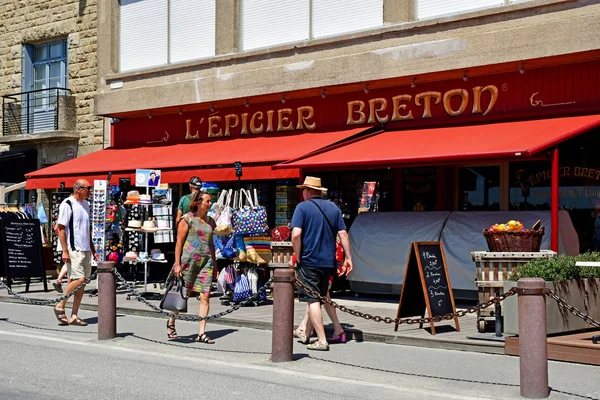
<point>211,161</point>
<point>499,141</point>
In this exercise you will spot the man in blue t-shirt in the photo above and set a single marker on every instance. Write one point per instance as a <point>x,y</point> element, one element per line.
<point>315,224</point>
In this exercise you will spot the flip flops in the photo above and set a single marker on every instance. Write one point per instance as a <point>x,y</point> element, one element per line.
<point>61,316</point>
<point>337,338</point>
<point>78,321</point>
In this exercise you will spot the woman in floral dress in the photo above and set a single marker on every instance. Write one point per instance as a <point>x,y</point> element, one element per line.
<point>195,259</point>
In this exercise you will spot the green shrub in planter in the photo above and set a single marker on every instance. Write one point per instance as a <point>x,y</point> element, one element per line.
<point>559,268</point>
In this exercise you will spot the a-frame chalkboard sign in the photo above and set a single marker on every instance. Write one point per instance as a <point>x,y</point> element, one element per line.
<point>426,284</point>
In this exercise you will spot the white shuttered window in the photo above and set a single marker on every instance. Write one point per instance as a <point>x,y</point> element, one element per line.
<point>272,22</point>
<point>143,34</point>
<point>192,29</point>
<point>437,8</point>
<point>335,17</point>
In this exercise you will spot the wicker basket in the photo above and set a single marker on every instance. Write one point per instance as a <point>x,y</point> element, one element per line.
<point>514,240</point>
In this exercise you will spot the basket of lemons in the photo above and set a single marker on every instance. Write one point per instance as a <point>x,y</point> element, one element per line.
<point>512,236</point>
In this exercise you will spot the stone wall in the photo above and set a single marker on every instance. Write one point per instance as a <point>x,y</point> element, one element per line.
<point>37,21</point>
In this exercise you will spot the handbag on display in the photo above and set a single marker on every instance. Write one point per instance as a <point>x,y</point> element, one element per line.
<point>223,223</point>
<point>249,219</point>
<point>217,207</point>
<point>175,297</point>
<point>229,275</point>
<point>258,249</point>
<point>241,291</point>
<point>253,280</point>
<point>240,248</point>
<point>229,250</point>
<point>221,282</point>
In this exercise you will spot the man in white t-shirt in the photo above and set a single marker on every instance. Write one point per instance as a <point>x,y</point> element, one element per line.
<point>77,248</point>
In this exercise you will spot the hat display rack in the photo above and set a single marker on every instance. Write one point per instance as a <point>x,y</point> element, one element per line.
<point>140,223</point>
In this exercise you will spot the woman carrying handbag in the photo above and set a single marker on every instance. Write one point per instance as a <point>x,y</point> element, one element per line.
<point>195,259</point>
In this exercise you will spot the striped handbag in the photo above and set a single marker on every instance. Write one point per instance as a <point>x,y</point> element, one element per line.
<point>258,249</point>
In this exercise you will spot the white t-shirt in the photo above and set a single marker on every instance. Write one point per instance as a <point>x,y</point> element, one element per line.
<point>81,223</point>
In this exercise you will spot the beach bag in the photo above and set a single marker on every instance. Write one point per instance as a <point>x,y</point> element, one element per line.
<point>241,291</point>
<point>253,280</point>
<point>258,249</point>
<point>240,248</point>
<point>229,250</point>
<point>250,218</point>
<point>217,207</point>
<point>175,297</point>
<point>223,223</point>
<point>222,282</point>
<point>219,245</point>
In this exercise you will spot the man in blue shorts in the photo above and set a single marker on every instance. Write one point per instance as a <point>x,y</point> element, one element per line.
<point>315,224</point>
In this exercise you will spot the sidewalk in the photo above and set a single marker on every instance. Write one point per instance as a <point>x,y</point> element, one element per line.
<point>260,317</point>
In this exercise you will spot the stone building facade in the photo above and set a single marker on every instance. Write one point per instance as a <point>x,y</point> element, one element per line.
<point>44,28</point>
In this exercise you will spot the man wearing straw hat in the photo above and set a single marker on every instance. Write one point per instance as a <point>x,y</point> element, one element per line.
<point>315,224</point>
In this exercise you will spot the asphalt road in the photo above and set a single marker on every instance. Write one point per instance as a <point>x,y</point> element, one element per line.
<point>41,360</point>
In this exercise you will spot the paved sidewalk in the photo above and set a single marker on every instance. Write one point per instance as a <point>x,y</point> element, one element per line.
<point>260,317</point>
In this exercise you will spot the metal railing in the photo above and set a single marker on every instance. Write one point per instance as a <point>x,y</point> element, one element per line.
<point>34,111</point>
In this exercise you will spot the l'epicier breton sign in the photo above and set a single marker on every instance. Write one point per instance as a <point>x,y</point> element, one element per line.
<point>21,240</point>
<point>426,284</point>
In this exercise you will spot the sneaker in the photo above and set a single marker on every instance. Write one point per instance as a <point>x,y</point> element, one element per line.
<point>318,346</point>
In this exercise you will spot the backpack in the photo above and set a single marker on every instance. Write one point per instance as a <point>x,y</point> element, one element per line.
<point>55,227</point>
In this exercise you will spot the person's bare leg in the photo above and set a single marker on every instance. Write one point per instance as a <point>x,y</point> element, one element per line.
<point>203,311</point>
<point>77,297</point>
<point>305,323</point>
<point>62,274</point>
<point>332,314</point>
<point>316,318</point>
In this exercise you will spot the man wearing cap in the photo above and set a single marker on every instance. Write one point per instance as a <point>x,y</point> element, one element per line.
<point>184,203</point>
<point>315,224</point>
<point>77,247</point>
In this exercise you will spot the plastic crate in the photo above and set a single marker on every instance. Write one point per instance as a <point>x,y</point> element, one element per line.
<point>492,269</point>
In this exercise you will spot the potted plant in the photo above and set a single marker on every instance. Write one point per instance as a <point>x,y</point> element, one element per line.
<point>578,285</point>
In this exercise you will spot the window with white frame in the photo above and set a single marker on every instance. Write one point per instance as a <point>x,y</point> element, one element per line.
<point>161,32</point>
<point>265,23</point>
<point>425,9</point>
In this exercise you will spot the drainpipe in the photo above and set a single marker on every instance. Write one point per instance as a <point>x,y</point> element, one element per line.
<point>554,202</point>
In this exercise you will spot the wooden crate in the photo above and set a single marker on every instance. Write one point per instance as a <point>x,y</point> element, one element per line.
<point>282,252</point>
<point>492,270</point>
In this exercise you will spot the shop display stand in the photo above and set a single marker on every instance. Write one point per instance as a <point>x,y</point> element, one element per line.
<point>99,196</point>
<point>57,198</point>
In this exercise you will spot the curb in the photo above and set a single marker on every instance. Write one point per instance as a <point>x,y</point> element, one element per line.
<point>359,336</point>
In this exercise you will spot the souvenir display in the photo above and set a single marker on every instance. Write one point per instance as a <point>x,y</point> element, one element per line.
<point>57,198</point>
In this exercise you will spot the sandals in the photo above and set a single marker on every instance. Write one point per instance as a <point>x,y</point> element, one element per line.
<point>301,336</point>
<point>318,346</point>
<point>57,287</point>
<point>61,316</point>
<point>204,338</point>
<point>78,321</point>
<point>171,332</point>
<point>337,338</point>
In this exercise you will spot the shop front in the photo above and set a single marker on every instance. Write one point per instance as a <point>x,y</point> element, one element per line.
<point>512,142</point>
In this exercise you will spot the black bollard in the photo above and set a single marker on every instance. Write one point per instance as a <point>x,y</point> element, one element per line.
<point>283,315</point>
<point>107,301</point>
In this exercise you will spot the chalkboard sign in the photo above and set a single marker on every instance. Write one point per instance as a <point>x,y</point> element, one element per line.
<point>22,244</point>
<point>426,284</point>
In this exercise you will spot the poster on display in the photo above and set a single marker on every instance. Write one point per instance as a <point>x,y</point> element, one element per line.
<point>147,177</point>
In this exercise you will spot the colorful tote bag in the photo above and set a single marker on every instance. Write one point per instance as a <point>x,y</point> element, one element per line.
<point>249,219</point>
<point>217,207</point>
<point>258,249</point>
<point>223,223</point>
<point>241,291</point>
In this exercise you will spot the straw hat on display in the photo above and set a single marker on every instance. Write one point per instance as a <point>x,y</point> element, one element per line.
<point>157,255</point>
<point>145,199</point>
<point>149,226</point>
<point>311,182</point>
<point>134,225</point>
<point>130,256</point>
<point>133,197</point>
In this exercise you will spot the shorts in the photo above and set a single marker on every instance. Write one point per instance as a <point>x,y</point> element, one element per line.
<point>80,265</point>
<point>317,279</point>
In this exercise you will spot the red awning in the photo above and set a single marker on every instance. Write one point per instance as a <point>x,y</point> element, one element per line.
<point>212,161</point>
<point>508,140</point>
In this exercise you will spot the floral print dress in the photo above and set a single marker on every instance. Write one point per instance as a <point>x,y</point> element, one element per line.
<point>196,260</point>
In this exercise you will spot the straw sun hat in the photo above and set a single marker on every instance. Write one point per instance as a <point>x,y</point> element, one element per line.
<point>311,182</point>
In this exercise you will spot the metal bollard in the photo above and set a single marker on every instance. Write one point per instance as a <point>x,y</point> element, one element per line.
<point>107,301</point>
<point>533,345</point>
<point>283,315</point>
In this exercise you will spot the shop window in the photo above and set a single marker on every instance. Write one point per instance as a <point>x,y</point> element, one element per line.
<point>44,68</point>
<point>479,188</point>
